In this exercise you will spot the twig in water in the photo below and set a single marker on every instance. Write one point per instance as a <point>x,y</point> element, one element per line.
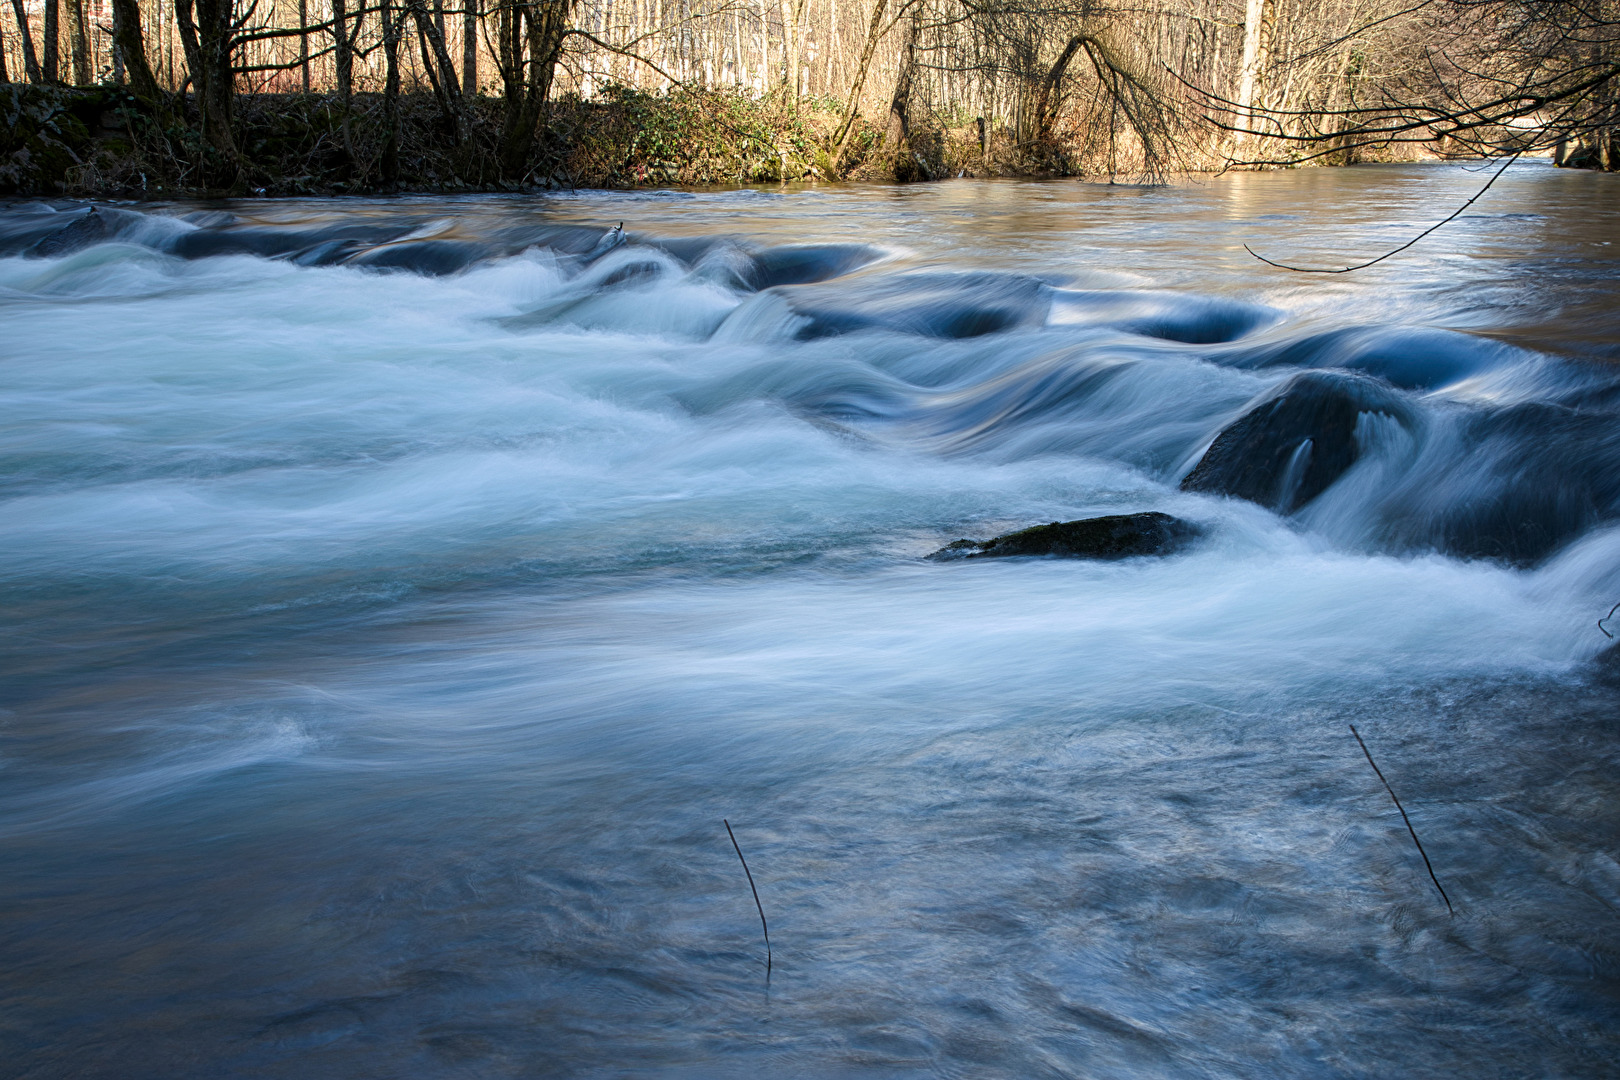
<point>757,904</point>
<point>1605,619</point>
<point>1402,809</point>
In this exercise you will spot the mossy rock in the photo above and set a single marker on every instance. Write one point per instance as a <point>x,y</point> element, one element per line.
<point>47,131</point>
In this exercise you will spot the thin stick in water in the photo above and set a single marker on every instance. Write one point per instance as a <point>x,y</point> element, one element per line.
<point>1605,619</point>
<point>757,904</point>
<point>1402,809</point>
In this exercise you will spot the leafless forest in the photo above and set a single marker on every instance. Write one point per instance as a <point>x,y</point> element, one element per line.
<point>490,89</point>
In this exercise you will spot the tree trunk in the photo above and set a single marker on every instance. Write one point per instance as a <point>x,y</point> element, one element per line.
<point>789,12</point>
<point>508,22</point>
<point>391,26</point>
<point>51,31</point>
<point>544,23</point>
<point>1336,101</point>
<point>908,165</point>
<point>78,35</point>
<point>30,58</point>
<point>343,69</point>
<point>342,55</point>
<point>764,46</point>
<point>1253,23</point>
<point>303,41</point>
<point>205,28</point>
<point>441,73</point>
<point>469,49</point>
<point>1050,98</point>
<point>129,48</point>
<point>874,32</point>
<point>898,134</point>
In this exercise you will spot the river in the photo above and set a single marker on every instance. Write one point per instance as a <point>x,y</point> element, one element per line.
<point>398,595</point>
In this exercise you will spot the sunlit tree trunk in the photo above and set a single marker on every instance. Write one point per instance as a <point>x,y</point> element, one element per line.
<point>898,134</point>
<point>26,40</point>
<point>764,47</point>
<point>1249,73</point>
<point>790,12</point>
<point>78,35</point>
<point>874,33</point>
<point>1050,95</point>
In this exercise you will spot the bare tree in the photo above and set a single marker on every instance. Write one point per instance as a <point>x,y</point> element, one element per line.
<point>1461,78</point>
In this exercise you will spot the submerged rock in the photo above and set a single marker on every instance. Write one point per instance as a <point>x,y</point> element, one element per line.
<point>1289,448</point>
<point>430,258</point>
<point>84,231</point>
<point>1118,536</point>
<point>934,305</point>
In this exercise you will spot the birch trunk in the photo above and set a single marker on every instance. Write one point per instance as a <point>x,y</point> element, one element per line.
<point>1249,73</point>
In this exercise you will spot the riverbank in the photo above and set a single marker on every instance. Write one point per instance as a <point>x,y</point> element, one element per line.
<point>104,142</point>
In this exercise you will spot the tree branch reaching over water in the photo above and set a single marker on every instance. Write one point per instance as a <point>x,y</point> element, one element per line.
<point>1453,216</point>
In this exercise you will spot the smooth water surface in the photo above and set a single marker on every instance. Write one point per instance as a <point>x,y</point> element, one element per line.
<point>397,595</point>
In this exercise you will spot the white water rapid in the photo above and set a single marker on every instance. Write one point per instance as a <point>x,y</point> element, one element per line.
<point>396,596</point>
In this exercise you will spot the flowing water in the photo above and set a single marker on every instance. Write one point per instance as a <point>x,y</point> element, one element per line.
<point>397,595</point>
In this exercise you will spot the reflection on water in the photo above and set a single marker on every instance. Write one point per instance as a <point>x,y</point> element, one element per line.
<point>398,594</point>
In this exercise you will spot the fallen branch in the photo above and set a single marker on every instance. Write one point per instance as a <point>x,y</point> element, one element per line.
<point>1402,809</point>
<point>757,904</point>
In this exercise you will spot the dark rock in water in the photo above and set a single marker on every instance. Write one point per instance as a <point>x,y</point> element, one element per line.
<point>1289,448</point>
<point>432,258</point>
<point>1119,536</point>
<point>930,305</point>
<point>802,264</point>
<point>1193,320</point>
<point>82,232</point>
<point>1410,357</point>
<point>225,237</point>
